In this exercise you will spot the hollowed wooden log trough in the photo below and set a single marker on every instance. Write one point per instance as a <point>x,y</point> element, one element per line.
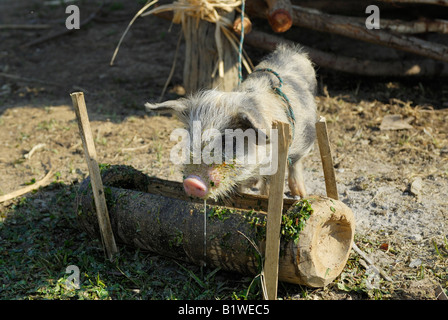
<point>156,215</point>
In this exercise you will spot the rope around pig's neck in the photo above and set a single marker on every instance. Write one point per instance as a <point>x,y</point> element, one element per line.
<point>283,96</point>
<point>278,90</point>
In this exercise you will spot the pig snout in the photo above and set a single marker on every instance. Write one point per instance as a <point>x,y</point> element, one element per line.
<point>195,186</point>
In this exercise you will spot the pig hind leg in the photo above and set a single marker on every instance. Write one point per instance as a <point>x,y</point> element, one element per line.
<point>264,186</point>
<point>295,179</point>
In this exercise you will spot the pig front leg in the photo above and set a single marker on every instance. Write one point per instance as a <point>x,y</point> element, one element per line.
<point>295,179</point>
<point>261,183</point>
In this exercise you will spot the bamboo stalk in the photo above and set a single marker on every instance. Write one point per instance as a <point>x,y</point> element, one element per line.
<point>85,132</point>
<point>327,161</point>
<point>275,207</point>
<point>37,185</point>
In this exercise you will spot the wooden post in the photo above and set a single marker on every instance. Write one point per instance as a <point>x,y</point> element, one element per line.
<point>275,207</point>
<point>327,161</point>
<point>85,132</point>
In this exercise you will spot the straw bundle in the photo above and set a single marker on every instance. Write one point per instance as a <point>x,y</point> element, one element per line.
<point>212,11</point>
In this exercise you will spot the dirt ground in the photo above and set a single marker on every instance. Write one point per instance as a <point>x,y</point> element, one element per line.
<point>395,181</point>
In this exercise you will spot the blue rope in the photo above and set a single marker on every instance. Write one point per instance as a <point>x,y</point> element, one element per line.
<point>278,90</point>
<point>284,97</point>
<point>240,53</point>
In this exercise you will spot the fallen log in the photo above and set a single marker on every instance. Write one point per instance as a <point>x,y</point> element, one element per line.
<point>419,26</point>
<point>432,2</point>
<point>350,27</point>
<point>316,234</point>
<point>352,7</point>
<point>422,25</point>
<point>406,68</point>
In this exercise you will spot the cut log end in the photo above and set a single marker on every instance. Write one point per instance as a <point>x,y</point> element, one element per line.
<point>325,242</point>
<point>237,25</point>
<point>280,20</point>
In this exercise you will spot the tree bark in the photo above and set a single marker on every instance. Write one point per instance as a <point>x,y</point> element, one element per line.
<point>313,256</point>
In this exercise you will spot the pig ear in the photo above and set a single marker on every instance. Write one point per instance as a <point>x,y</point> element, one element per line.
<point>252,119</point>
<point>178,106</point>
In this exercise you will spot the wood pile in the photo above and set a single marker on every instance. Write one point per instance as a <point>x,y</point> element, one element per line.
<point>411,24</point>
<point>416,29</point>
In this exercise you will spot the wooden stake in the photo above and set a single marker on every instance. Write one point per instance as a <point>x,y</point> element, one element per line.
<point>275,207</point>
<point>327,161</point>
<point>85,132</point>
